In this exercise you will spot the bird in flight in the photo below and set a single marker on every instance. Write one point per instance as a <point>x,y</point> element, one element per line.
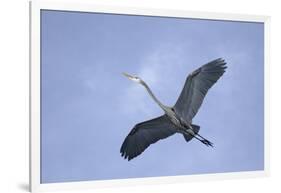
<point>176,119</point>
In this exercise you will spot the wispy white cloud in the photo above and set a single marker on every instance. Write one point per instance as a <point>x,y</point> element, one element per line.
<point>157,69</point>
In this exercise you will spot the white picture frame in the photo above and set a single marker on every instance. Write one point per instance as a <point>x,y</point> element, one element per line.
<point>36,6</point>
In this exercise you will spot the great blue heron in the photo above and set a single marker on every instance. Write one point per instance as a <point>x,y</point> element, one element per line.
<point>176,119</point>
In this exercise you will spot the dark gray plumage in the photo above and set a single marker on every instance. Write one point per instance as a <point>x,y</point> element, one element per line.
<point>146,133</point>
<point>177,119</point>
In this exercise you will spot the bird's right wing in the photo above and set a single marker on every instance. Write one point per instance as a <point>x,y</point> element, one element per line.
<point>146,133</point>
<point>196,87</point>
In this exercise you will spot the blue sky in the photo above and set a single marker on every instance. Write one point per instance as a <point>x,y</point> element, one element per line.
<point>88,107</point>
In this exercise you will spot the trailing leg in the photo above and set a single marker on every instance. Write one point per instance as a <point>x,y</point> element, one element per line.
<point>205,141</point>
<point>189,134</point>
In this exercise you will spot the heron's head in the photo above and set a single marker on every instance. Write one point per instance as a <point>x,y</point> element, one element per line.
<point>133,78</point>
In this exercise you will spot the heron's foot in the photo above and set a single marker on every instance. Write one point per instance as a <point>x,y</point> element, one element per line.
<point>207,142</point>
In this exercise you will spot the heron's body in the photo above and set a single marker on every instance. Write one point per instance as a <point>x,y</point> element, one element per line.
<point>169,111</point>
<point>180,124</point>
<point>176,119</point>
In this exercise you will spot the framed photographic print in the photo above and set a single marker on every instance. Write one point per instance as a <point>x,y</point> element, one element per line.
<point>123,96</point>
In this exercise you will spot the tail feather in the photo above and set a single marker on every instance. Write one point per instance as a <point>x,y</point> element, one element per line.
<point>187,136</point>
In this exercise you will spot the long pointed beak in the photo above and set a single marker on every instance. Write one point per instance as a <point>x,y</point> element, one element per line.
<point>128,75</point>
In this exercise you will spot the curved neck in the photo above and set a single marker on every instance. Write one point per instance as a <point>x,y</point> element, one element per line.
<point>152,95</point>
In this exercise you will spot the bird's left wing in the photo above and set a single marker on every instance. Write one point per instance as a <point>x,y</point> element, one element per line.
<point>196,87</point>
<point>146,133</point>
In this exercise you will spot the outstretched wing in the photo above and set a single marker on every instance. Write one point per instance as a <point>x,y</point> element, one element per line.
<point>196,87</point>
<point>144,134</point>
